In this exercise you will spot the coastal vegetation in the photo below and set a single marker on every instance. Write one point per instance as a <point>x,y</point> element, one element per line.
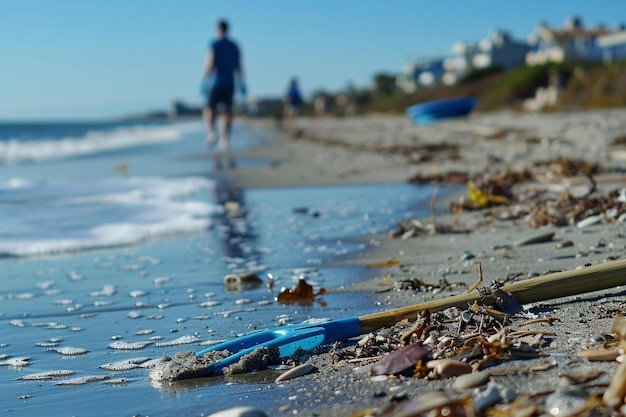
<point>579,84</point>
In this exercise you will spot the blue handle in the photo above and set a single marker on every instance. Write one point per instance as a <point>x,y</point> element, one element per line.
<point>288,339</point>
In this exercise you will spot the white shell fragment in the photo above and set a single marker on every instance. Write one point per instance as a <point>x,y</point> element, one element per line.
<point>295,372</point>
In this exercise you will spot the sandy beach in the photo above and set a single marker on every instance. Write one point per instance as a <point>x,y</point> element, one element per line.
<point>386,149</point>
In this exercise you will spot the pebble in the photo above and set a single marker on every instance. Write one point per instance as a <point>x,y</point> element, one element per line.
<point>449,367</point>
<point>563,244</point>
<point>605,355</point>
<point>529,240</point>
<point>295,372</point>
<point>466,255</point>
<point>239,412</point>
<point>472,380</point>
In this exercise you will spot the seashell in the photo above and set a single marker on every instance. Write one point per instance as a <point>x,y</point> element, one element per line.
<point>605,355</point>
<point>590,221</point>
<point>121,345</point>
<point>43,376</point>
<point>449,367</point>
<point>295,372</point>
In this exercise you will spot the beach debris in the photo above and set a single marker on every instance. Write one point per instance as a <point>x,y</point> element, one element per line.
<point>302,293</point>
<point>602,355</point>
<point>398,361</point>
<point>615,394</point>
<point>243,281</point>
<point>295,372</point>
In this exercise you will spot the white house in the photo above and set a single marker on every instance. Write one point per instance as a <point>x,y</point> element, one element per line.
<point>613,45</point>
<point>499,49</point>
<point>572,42</point>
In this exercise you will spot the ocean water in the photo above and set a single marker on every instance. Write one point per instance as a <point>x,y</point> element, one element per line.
<point>114,241</point>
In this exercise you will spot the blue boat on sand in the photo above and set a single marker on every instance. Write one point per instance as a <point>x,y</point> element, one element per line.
<point>433,111</point>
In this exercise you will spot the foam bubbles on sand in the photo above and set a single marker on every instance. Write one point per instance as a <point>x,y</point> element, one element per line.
<point>106,291</point>
<point>70,351</point>
<point>121,345</point>
<point>183,340</point>
<point>17,362</point>
<point>82,380</point>
<point>46,375</point>
<point>124,365</point>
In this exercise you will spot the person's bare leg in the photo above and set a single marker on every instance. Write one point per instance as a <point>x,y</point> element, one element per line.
<point>227,124</point>
<point>209,117</point>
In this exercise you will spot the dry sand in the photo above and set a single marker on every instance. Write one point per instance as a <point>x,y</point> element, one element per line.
<point>374,150</point>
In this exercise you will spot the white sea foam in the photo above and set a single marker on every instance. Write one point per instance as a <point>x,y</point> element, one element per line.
<point>14,151</point>
<point>105,213</point>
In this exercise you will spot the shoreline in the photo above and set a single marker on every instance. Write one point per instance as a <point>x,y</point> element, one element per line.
<point>373,150</point>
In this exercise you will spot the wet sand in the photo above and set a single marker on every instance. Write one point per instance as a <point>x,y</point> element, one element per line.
<point>375,150</point>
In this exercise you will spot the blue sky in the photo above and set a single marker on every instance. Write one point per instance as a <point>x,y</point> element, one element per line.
<point>76,59</point>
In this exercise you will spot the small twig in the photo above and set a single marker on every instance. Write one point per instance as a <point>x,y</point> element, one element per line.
<point>480,278</point>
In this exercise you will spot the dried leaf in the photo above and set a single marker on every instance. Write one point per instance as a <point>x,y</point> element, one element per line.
<point>302,292</point>
<point>399,360</point>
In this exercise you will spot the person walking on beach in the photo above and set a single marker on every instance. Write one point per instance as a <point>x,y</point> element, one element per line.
<point>223,68</point>
<point>293,100</point>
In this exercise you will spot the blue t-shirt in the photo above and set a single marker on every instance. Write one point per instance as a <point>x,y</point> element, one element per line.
<point>226,61</point>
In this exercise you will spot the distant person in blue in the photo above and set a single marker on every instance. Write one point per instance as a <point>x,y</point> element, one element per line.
<point>223,69</point>
<point>293,100</point>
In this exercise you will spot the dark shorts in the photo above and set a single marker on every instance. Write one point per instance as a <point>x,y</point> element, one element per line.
<point>222,95</point>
